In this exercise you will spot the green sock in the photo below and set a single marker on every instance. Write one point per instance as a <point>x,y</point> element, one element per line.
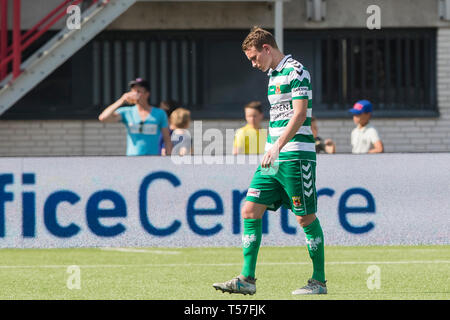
<point>251,240</point>
<point>314,239</point>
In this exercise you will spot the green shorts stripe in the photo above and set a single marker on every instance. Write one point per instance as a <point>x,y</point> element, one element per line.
<point>297,155</point>
<point>297,138</point>
<point>283,123</point>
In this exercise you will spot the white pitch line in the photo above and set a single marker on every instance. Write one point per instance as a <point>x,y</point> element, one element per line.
<point>223,264</point>
<point>133,250</point>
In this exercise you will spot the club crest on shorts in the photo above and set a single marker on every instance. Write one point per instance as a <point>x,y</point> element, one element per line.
<point>296,201</point>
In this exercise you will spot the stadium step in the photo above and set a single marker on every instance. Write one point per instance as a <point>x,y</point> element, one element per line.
<point>59,49</point>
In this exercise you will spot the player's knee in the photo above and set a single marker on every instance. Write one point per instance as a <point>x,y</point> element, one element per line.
<point>247,213</point>
<point>251,210</point>
<point>304,221</point>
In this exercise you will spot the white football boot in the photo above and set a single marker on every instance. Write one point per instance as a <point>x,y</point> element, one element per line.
<point>240,284</point>
<point>313,287</point>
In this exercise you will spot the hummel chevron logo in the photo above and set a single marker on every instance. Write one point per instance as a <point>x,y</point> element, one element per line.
<point>307,176</point>
<point>307,183</point>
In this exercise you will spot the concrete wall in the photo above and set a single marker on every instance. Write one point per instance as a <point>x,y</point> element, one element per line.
<point>224,15</point>
<point>242,15</point>
<point>41,138</point>
<point>59,138</point>
<point>411,134</point>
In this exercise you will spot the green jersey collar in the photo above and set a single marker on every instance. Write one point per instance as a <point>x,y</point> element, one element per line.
<point>280,65</point>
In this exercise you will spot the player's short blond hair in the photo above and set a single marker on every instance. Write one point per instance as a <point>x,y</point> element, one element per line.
<point>257,38</point>
<point>180,118</point>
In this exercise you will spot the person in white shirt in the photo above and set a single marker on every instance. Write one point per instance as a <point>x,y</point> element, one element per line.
<point>364,138</point>
<point>180,119</point>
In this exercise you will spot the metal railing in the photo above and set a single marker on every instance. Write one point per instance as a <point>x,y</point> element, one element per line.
<point>13,54</point>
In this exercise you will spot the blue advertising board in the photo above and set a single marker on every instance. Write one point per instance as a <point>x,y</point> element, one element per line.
<point>386,199</point>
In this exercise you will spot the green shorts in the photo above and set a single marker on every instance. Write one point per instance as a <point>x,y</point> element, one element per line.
<point>289,183</point>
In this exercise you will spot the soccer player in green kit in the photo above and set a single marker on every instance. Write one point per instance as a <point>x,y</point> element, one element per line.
<point>287,171</point>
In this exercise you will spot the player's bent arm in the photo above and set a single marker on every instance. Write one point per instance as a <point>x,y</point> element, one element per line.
<point>377,147</point>
<point>109,114</point>
<point>300,107</point>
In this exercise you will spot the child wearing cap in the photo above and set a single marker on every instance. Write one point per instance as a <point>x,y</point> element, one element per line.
<point>364,138</point>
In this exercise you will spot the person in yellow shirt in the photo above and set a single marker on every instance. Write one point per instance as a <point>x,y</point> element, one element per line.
<point>251,139</point>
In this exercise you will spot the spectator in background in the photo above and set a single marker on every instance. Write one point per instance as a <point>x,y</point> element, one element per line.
<point>180,119</point>
<point>364,138</point>
<point>251,139</point>
<point>327,146</point>
<point>144,123</point>
<point>168,106</point>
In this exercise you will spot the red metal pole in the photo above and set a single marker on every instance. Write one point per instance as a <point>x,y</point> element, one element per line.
<point>16,39</point>
<point>45,19</point>
<point>3,36</point>
<point>44,29</point>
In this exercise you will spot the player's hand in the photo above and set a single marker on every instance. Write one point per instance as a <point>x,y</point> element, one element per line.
<point>270,156</point>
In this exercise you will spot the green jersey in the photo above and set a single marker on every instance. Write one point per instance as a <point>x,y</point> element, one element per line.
<point>289,81</point>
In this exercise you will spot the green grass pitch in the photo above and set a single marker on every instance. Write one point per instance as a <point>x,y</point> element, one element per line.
<point>405,272</point>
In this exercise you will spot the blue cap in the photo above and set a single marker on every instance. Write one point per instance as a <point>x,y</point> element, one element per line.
<point>362,106</point>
